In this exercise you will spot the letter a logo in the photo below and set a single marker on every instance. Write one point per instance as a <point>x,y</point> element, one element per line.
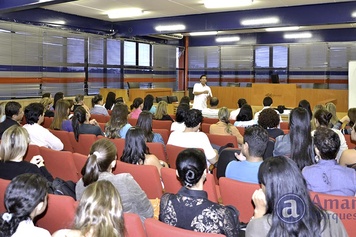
<point>290,208</point>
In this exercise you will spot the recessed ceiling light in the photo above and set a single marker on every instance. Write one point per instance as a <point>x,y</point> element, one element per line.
<point>226,3</point>
<point>227,39</point>
<point>353,14</point>
<point>203,33</point>
<point>261,21</point>
<point>57,22</point>
<point>289,28</point>
<point>303,35</point>
<point>125,12</point>
<point>169,27</point>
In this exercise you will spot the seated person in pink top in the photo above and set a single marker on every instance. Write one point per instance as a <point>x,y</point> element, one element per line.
<point>136,108</point>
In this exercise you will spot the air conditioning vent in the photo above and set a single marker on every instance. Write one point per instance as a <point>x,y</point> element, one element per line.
<point>168,36</point>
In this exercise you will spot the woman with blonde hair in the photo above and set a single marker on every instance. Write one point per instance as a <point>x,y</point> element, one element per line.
<point>47,103</point>
<point>60,120</point>
<point>99,213</point>
<point>331,107</point>
<point>2,112</point>
<point>161,113</point>
<point>101,160</point>
<point>224,127</point>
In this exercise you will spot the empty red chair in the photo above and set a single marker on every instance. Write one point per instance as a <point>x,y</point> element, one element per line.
<point>100,118</point>
<point>133,225</point>
<point>239,195</point>
<point>164,133</point>
<point>155,228</point>
<point>222,140</point>
<point>64,137</point>
<point>163,124</point>
<point>84,143</point>
<point>157,149</point>
<point>32,150</point>
<point>59,214</point>
<point>145,175</point>
<point>60,164</point>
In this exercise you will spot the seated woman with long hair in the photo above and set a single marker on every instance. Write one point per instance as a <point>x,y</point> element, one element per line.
<point>97,105</point>
<point>60,119</point>
<point>145,122</point>
<point>25,198</point>
<point>282,185</point>
<point>82,125</point>
<point>161,113</point>
<point>101,160</point>
<point>148,104</point>
<point>13,147</point>
<point>99,213</point>
<point>136,152</point>
<point>136,108</point>
<point>245,117</point>
<point>224,127</point>
<point>110,100</point>
<point>179,124</point>
<point>190,208</point>
<point>117,126</point>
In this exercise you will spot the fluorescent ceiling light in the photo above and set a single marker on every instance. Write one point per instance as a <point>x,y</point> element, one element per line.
<point>169,27</point>
<point>125,12</point>
<point>5,31</point>
<point>226,3</point>
<point>57,22</point>
<point>303,35</point>
<point>227,39</point>
<point>289,28</point>
<point>203,33</point>
<point>353,14</point>
<point>261,21</point>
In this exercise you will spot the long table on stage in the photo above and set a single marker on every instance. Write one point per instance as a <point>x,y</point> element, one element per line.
<point>288,95</point>
<point>134,93</point>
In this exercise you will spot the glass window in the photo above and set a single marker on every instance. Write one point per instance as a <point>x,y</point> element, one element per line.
<point>130,53</point>
<point>262,56</point>
<point>144,54</point>
<point>280,56</point>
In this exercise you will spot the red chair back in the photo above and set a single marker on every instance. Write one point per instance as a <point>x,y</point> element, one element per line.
<point>210,120</point>
<point>239,195</point>
<point>133,225</point>
<point>350,143</point>
<point>172,153</point>
<point>100,118</point>
<point>84,143</point>
<point>241,130</point>
<point>3,185</point>
<point>64,137</point>
<point>79,162</point>
<point>205,127</point>
<point>120,145</point>
<point>132,121</point>
<point>32,150</point>
<point>284,125</point>
<point>164,133</point>
<point>47,122</point>
<point>157,149</point>
<point>222,140</point>
<point>102,126</point>
<point>162,124</point>
<point>145,175</point>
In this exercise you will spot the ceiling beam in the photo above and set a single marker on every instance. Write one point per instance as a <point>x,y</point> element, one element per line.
<point>7,6</point>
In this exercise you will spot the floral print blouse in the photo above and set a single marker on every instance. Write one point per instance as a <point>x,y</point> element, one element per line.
<point>191,210</point>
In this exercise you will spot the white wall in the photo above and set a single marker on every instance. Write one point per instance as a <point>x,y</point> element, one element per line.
<point>352,84</point>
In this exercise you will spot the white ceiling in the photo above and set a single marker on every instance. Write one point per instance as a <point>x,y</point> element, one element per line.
<point>165,8</point>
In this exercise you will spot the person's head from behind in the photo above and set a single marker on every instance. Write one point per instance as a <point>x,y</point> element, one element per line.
<point>184,99</point>
<point>181,112</point>
<point>14,143</point>
<point>25,198</point>
<point>326,143</point>
<point>306,105</point>
<point>13,110</point>
<point>46,95</point>
<point>79,99</point>
<point>267,101</point>
<point>161,109</point>
<point>245,113</point>
<point>80,116</point>
<point>135,146</point>
<point>118,119</point>
<point>214,101</point>
<point>100,211</point>
<point>57,96</point>
<point>62,109</point>
<point>137,103</point>
<point>241,102</point>
<point>110,100</point>
<point>2,111</point>
<point>97,100</point>
<point>322,117</point>
<point>255,141</point>
<point>331,107</point>
<point>102,158</point>
<point>193,118</point>
<point>299,120</point>
<point>191,167</point>
<point>268,118</point>
<point>34,113</point>
<point>224,115</point>
<point>119,100</point>
<point>144,121</point>
<point>352,115</point>
<point>47,103</point>
<point>148,102</point>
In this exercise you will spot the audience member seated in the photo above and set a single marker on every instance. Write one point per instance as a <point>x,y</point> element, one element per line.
<point>331,108</point>
<point>25,198</point>
<point>281,179</point>
<point>101,161</point>
<point>349,119</point>
<point>326,176</point>
<point>213,111</point>
<point>136,152</point>
<point>13,147</point>
<point>179,125</point>
<point>110,100</point>
<point>267,103</point>
<point>40,136</point>
<point>82,125</point>
<point>269,120</point>
<point>99,213</point>
<point>297,144</point>
<point>322,119</point>
<point>306,105</point>
<point>148,104</point>
<point>190,208</point>
<point>253,148</point>
<point>117,126</point>
<point>224,127</point>
<point>2,111</point>
<point>136,108</point>
<point>245,117</point>
<point>234,113</point>
<point>185,100</point>
<point>57,96</point>
<point>79,101</point>
<point>348,157</point>
<point>192,138</point>
<point>316,108</point>
<point>145,122</point>
<point>47,105</point>
<point>60,120</point>
<point>14,114</point>
<point>161,113</point>
<point>97,105</point>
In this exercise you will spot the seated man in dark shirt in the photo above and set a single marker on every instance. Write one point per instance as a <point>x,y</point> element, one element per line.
<point>14,114</point>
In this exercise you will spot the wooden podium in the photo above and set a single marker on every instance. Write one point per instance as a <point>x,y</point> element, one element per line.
<point>282,94</point>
